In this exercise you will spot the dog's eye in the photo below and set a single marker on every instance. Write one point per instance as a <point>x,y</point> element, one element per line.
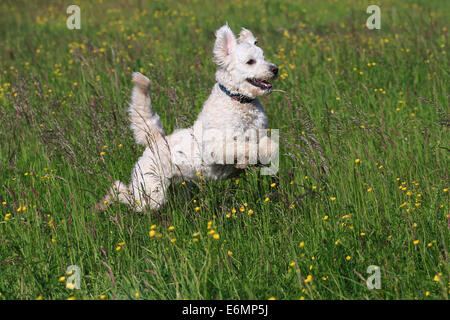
<point>251,61</point>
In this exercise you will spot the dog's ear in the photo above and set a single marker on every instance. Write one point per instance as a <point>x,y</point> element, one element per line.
<point>224,45</point>
<point>247,36</point>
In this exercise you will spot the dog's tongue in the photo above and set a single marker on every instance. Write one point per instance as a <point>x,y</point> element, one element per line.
<point>263,83</point>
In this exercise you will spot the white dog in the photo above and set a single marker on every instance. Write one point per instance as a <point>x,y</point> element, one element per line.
<point>229,131</point>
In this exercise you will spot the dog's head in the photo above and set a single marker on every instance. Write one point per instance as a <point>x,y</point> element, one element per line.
<point>242,66</point>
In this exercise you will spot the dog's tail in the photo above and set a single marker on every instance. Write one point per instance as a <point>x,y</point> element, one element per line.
<point>145,123</point>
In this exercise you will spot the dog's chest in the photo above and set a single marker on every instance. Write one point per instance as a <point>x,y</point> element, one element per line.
<point>251,116</point>
<point>241,117</point>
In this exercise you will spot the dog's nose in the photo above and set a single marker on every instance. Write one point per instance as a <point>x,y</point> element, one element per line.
<point>274,69</point>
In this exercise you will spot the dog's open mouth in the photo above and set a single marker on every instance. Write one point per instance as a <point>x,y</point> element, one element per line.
<point>262,84</point>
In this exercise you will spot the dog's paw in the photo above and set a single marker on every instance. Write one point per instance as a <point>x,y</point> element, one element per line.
<point>243,161</point>
<point>242,166</point>
<point>140,80</point>
<point>268,149</point>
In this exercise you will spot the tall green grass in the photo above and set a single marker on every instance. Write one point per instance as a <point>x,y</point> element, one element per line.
<point>363,177</point>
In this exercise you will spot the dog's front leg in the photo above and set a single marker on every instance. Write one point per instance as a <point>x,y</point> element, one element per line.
<point>242,151</point>
<point>268,150</point>
<point>245,152</point>
<point>265,152</point>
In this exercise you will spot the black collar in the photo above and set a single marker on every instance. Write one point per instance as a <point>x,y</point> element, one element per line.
<point>236,96</point>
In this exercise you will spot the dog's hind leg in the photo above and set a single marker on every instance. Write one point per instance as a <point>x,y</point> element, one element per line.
<point>148,189</point>
<point>152,194</point>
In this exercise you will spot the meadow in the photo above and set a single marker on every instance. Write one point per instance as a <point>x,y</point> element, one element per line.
<point>364,153</point>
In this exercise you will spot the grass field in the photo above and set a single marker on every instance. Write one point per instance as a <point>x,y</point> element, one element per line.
<point>364,166</point>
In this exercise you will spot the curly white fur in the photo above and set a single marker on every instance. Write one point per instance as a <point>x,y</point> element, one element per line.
<point>222,138</point>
